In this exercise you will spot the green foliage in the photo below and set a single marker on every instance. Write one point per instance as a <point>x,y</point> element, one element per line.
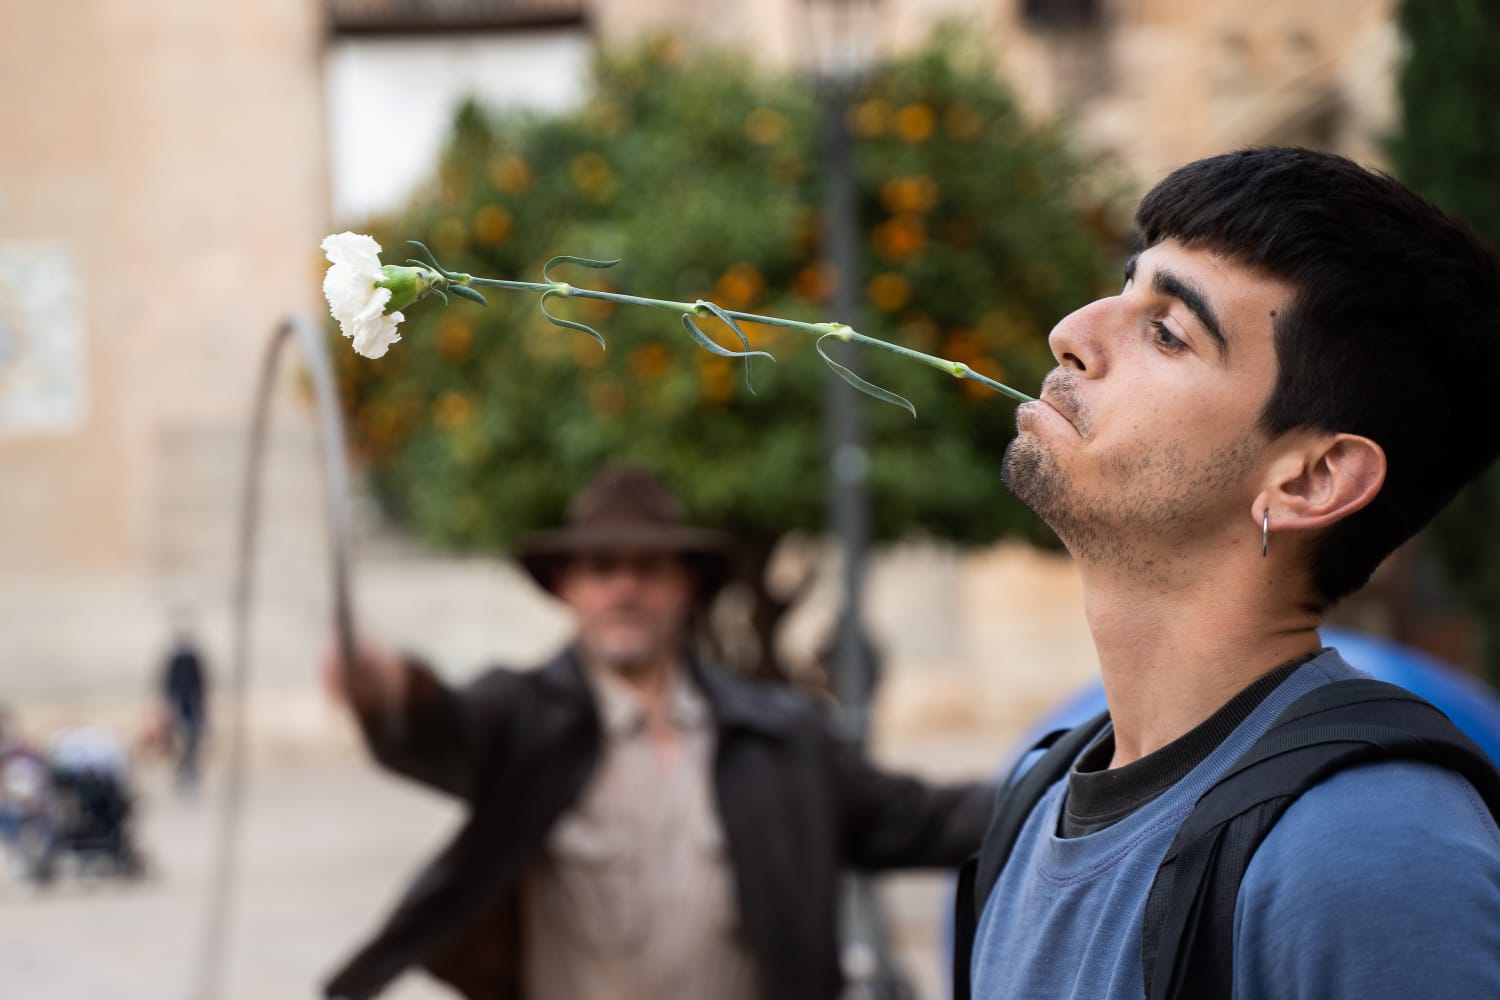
<point>1449,149</point>
<point>1449,143</point>
<point>980,230</point>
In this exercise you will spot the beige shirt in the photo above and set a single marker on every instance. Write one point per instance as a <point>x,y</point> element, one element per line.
<point>633,897</point>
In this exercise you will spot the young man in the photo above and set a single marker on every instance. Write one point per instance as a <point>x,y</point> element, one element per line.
<point>642,825</point>
<point>1302,368</point>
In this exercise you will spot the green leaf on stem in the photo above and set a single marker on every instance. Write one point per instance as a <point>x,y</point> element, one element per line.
<point>570,324</point>
<point>430,258</point>
<point>868,388</point>
<point>729,321</point>
<point>465,292</point>
<point>597,265</point>
<point>708,344</point>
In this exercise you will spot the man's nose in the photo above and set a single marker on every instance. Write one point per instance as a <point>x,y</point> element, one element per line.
<point>1077,342</point>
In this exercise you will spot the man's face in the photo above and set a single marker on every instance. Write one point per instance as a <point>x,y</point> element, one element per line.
<point>1144,443</point>
<point>631,607</point>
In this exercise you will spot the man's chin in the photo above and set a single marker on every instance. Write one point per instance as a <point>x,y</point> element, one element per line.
<point>629,664</point>
<point>1022,467</point>
<point>1033,478</point>
<point>625,657</point>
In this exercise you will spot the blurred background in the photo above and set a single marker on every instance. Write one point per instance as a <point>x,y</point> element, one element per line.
<point>955,175</point>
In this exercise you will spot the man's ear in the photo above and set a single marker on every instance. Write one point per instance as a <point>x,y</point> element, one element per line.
<point>1320,480</point>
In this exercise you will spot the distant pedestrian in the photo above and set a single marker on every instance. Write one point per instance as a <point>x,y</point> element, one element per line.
<point>184,690</point>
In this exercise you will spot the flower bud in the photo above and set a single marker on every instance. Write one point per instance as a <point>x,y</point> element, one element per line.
<point>407,285</point>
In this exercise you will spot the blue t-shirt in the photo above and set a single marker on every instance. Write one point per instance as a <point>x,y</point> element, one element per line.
<point>1382,882</point>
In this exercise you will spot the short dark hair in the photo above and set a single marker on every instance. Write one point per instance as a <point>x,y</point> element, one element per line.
<point>1393,333</point>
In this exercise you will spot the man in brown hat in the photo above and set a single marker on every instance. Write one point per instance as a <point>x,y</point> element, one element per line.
<point>642,825</point>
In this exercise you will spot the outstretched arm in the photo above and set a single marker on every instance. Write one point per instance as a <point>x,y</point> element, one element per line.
<point>894,820</point>
<point>414,723</point>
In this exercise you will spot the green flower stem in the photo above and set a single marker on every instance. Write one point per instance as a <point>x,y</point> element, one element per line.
<point>846,333</point>
<point>955,368</point>
<point>520,286</point>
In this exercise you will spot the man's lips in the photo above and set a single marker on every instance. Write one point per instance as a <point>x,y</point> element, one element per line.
<point>1059,393</point>
<point>1061,412</point>
<point>1044,405</point>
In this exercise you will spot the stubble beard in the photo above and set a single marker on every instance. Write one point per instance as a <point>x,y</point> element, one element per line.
<point>1158,500</point>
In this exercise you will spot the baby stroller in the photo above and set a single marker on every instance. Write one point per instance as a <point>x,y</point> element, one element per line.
<point>90,807</point>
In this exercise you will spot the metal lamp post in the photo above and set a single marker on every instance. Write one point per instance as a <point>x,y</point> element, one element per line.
<point>839,37</point>
<point>840,42</point>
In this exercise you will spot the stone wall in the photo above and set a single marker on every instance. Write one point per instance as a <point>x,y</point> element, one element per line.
<point>176,151</point>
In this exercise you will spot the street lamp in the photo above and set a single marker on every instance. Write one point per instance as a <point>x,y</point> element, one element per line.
<point>840,36</point>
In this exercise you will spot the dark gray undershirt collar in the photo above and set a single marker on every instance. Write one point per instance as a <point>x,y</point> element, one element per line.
<point>1098,796</point>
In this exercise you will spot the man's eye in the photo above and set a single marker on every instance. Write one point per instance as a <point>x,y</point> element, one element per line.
<point>1166,339</point>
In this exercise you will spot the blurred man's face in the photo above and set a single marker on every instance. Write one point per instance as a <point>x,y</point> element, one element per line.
<point>631,607</point>
<point>1144,443</point>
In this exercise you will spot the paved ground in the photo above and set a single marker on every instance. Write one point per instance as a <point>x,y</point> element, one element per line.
<point>327,841</point>
<point>324,846</point>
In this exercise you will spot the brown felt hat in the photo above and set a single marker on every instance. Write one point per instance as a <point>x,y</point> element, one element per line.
<point>627,507</point>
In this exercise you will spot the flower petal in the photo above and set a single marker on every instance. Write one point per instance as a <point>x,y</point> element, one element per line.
<point>349,285</point>
<point>371,329</point>
<point>355,250</point>
<point>349,292</point>
<point>374,335</point>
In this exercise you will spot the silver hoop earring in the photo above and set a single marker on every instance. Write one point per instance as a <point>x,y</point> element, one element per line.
<point>1265,531</point>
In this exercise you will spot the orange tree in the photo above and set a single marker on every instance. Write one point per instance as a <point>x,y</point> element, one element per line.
<point>979,231</point>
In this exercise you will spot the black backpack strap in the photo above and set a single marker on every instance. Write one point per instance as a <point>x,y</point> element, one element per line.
<point>1187,939</point>
<point>1017,798</point>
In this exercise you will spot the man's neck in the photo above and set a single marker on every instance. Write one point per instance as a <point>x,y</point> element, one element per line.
<point>1172,654</point>
<point>648,683</point>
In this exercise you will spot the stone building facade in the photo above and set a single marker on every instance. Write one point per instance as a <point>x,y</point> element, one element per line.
<point>169,157</point>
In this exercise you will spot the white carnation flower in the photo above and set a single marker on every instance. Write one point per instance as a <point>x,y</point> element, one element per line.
<point>352,296</point>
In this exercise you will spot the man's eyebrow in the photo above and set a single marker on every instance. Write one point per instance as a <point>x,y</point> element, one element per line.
<point>1164,282</point>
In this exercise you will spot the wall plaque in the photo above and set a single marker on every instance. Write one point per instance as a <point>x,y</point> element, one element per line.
<point>43,364</point>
